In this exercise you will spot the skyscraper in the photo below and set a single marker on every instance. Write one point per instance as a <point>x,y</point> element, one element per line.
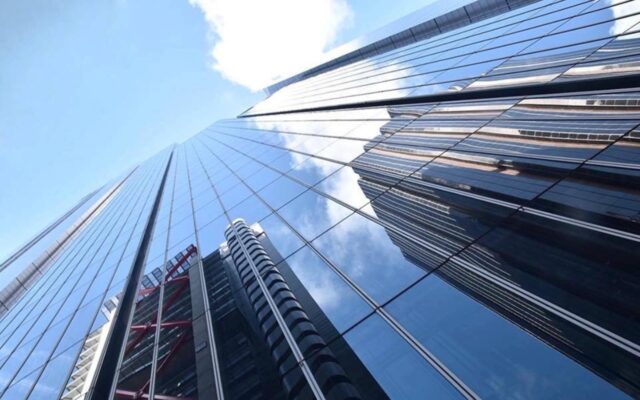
<point>448,211</point>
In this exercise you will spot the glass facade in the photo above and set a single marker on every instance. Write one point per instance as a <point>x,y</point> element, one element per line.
<point>456,217</point>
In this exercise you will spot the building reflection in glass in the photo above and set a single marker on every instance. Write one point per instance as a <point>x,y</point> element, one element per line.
<point>534,215</point>
<point>454,249</point>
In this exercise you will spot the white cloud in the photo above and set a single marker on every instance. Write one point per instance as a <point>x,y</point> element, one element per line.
<point>623,17</point>
<point>257,42</point>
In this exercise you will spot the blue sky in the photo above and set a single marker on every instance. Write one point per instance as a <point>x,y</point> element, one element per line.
<point>91,88</point>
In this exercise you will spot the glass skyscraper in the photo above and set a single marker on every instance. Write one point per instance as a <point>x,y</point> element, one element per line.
<point>449,211</point>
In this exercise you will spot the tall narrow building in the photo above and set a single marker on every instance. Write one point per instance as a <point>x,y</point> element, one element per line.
<point>450,210</point>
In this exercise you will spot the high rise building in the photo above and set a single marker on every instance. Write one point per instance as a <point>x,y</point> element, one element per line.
<point>449,210</point>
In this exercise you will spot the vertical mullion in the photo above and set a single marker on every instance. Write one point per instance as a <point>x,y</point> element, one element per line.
<point>207,313</point>
<point>105,380</point>
<point>156,340</point>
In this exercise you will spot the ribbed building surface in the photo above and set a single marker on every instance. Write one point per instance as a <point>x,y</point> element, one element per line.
<point>450,212</point>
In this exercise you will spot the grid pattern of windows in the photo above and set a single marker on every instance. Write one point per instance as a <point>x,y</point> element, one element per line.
<point>470,248</point>
<point>44,331</point>
<point>546,42</point>
<point>516,203</point>
<point>31,259</point>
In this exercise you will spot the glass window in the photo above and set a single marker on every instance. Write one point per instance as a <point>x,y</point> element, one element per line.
<point>599,195</point>
<point>494,357</point>
<point>53,377</point>
<point>251,210</point>
<point>281,192</point>
<point>344,185</point>
<point>336,299</point>
<point>581,269</point>
<point>399,369</point>
<point>311,214</point>
<point>363,251</point>
<point>20,389</point>
<point>313,170</point>
<point>281,236</point>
